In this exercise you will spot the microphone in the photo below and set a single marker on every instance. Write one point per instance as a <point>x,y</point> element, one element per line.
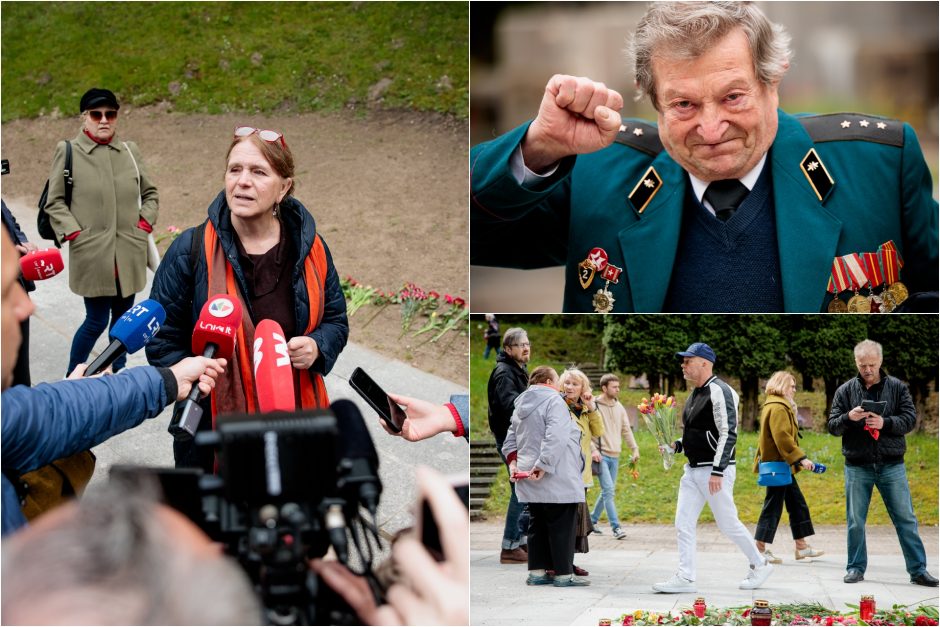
<point>133,329</point>
<point>274,376</point>
<point>41,264</point>
<point>213,336</point>
<point>360,463</point>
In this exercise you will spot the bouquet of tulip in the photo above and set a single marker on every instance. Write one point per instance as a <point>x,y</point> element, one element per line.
<point>662,419</point>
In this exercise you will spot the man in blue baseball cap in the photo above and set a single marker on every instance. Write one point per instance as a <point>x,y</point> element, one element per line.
<point>710,424</point>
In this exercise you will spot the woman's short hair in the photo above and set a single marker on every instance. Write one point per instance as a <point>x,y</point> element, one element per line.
<point>542,374</point>
<point>278,156</point>
<point>574,373</point>
<point>686,30</point>
<point>779,383</point>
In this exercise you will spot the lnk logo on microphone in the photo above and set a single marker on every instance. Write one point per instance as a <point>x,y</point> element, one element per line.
<point>221,307</point>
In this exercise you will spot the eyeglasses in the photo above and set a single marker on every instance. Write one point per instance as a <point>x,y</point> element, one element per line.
<point>96,115</point>
<point>524,345</point>
<point>268,136</point>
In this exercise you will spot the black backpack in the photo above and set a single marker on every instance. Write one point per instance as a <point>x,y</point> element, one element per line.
<point>42,220</point>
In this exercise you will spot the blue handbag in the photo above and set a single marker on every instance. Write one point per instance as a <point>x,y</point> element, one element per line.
<point>774,474</point>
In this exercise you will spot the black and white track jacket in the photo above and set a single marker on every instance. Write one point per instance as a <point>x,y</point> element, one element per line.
<point>710,426</point>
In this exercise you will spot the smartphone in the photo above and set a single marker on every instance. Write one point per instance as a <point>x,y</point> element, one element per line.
<point>388,410</point>
<point>876,407</point>
<point>521,474</point>
<point>5,166</point>
<point>427,526</point>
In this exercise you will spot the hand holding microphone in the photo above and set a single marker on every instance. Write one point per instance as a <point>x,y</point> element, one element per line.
<point>200,371</point>
<point>134,328</point>
<point>39,265</point>
<point>213,336</point>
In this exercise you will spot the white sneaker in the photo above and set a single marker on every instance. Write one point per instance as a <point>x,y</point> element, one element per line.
<point>619,533</point>
<point>676,583</point>
<point>756,577</point>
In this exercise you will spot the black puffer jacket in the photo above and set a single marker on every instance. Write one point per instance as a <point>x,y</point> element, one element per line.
<point>507,381</point>
<point>858,446</point>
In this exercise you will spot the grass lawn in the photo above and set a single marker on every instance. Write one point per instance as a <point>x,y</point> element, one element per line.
<point>652,498</point>
<point>216,57</point>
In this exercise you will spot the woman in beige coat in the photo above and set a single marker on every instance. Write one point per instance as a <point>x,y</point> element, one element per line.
<point>113,208</point>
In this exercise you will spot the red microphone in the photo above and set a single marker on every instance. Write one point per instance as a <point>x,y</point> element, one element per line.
<point>213,336</point>
<point>41,264</point>
<point>274,376</point>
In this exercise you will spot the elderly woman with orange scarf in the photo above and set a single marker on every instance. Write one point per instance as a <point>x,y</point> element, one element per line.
<point>260,246</point>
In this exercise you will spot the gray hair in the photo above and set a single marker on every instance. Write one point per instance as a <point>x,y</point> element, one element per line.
<point>112,562</point>
<point>685,30</point>
<point>869,347</point>
<point>511,336</point>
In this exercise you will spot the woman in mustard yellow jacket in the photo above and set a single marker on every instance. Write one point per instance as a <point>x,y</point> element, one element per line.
<point>576,388</point>
<point>778,438</point>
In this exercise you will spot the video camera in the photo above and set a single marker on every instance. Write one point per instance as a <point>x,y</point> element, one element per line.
<point>289,487</point>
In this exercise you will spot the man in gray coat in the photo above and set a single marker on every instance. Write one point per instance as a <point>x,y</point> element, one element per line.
<point>545,443</point>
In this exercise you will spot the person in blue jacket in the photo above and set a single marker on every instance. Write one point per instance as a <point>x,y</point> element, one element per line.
<point>727,204</point>
<point>54,420</point>
<point>260,246</point>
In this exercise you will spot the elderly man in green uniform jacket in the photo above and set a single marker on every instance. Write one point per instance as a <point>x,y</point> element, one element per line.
<point>728,204</point>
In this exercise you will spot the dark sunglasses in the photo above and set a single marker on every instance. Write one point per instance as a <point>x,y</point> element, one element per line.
<point>96,115</point>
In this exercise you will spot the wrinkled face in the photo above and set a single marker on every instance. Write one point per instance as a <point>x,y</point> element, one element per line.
<point>694,368</point>
<point>612,389</point>
<point>252,186</point>
<point>868,367</point>
<point>572,388</point>
<point>520,350</point>
<point>715,118</point>
<point>102,129</point>
<point>16,307</point>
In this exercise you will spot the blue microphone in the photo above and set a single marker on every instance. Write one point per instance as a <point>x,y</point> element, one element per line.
<point>134,328</point>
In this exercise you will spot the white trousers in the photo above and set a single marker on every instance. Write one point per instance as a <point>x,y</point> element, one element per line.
<point>693,494</point>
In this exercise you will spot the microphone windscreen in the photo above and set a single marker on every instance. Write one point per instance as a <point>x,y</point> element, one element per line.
<point>41,264</point>
<point>138,325</point>
<point>274,376</point>
<point>218,324</point>
<point>354,438</point>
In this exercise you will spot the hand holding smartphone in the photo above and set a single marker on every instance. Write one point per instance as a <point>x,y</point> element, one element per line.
<point>393,415</point>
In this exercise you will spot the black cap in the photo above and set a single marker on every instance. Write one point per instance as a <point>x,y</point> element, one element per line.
<point>97,97</point>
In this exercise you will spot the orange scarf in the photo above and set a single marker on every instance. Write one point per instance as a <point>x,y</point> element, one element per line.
<point>234,391</point>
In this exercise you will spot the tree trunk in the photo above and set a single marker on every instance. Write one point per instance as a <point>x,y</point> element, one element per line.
<point>808,383</point>
<point>749,406</point>
<point>920,390</point>
<point>832,384</point>
<point>654,380</point>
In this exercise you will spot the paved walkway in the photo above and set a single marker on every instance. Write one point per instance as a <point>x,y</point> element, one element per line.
<point>622,572</point>
<point>59,312</point>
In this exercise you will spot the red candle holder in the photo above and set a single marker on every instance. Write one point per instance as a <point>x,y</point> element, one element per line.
<point>761,614</point>
<point>699,607</point>
<point>866,607</point>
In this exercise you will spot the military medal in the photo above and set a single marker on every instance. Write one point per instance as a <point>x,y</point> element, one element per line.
<point>603,300</point>
<point>611,273</point>
<point>585,273</point>
<point>853,266</point>
<point>598,256</point>
<point>838,282</point>
<point>893,263</point>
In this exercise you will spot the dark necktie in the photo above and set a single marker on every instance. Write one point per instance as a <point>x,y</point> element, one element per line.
<point>725,196</point>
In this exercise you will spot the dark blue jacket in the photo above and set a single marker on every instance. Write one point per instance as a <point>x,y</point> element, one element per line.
<point>54,420</point>
<point>18,237</point>
<point>180,286</point>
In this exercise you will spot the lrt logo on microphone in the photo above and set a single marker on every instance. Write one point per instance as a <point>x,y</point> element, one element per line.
<point>221,307</point>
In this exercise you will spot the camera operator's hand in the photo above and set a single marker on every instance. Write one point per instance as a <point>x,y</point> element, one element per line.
<point>356,592</point>
<point>424,419</point>
<point>435,593</point>
<point>196,369</point>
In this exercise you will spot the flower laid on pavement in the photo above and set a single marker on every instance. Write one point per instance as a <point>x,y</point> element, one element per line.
<point>786,614</point>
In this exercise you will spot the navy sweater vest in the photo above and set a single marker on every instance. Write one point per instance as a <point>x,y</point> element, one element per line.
<point>728,266</point>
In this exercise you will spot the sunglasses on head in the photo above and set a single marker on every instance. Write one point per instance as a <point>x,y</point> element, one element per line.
<point>96,115</point>
<point>268,136</point>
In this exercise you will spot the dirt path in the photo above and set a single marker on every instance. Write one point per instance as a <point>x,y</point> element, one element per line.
<point>388,191</point>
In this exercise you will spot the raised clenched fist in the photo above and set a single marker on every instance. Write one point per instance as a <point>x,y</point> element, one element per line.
<point>577,116</point>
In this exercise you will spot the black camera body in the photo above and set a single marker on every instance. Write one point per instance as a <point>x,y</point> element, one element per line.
<point>287,490</point>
